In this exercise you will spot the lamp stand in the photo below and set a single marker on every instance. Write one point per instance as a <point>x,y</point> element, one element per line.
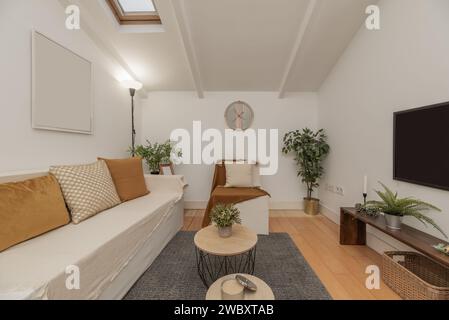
<point>132,92</point>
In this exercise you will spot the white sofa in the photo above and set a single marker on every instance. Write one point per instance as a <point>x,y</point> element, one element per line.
<point>112,249</point>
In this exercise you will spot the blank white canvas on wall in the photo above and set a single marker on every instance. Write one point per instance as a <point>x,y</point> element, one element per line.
<point>62,88</point>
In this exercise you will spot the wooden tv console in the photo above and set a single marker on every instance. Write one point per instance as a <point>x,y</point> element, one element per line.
<point>353,232</point>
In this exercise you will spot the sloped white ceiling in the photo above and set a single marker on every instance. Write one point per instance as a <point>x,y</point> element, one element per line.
<point>244,45</point>
<point>333,26</point>
<point>236,45</point>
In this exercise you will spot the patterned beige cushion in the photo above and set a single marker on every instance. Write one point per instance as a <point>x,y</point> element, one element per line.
<point>87,189</point>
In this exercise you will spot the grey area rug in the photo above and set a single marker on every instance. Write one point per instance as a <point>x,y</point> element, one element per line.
<point>173,275</point>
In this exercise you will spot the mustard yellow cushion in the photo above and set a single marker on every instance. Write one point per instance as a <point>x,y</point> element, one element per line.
<point>29,209</point>
<point>128,177</point>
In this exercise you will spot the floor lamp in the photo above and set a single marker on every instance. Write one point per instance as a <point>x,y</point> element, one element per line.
<point>133,86</point>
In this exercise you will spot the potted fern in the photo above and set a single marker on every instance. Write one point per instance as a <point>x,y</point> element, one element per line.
<point>310,149</point>
<point>225,216</point>
<point>395,208</point>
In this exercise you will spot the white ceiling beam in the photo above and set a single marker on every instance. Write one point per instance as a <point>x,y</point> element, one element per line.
<point>297,46</point>
<point>188,44</point>
<point>87,25</point>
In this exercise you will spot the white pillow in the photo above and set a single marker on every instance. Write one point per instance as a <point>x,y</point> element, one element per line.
<point>239,175</point>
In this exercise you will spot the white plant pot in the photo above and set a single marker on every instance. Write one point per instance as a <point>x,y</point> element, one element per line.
<point>393,222</point>
<point>225,232</point>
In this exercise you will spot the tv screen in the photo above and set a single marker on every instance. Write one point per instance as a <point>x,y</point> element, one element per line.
<point>421,146</point>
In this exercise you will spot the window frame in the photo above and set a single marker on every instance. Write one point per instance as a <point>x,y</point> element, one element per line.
<point>133,18</point>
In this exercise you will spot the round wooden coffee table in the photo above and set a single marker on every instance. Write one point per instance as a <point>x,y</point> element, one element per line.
<point>263,292</point>
<point>217,257</point>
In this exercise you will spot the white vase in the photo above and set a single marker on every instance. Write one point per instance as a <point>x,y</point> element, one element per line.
<point>225,232</point>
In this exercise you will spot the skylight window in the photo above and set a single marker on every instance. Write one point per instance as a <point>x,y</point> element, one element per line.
<point>134,12</point>
<point>132,6</point>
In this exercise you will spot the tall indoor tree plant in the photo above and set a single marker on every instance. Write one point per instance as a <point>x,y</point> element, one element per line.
<point>310,149</point>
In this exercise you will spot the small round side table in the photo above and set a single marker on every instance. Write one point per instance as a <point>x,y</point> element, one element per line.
<point>263,292</point>
<point>217,257</point>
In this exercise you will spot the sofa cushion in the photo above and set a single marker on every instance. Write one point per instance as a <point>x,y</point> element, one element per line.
<point>87,189</point>
<point>128,177</point>
<point>239,175</point>
<point>29,209</point>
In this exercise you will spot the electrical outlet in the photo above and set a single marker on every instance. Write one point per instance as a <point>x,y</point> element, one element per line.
<point>340,191</point>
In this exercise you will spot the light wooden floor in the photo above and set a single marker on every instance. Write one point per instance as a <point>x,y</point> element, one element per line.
<point>340,268</point>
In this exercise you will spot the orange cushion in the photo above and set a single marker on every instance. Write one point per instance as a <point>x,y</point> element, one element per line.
<point>128,178</point>
<point>29,209</point>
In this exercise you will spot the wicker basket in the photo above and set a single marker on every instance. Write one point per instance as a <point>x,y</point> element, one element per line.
<point>415,277</point>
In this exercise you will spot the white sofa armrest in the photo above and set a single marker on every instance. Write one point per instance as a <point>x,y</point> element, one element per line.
<point>165,184</point>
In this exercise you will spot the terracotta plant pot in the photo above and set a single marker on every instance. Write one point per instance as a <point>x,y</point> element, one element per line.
<point>311,206</point>
<point>225,232</point>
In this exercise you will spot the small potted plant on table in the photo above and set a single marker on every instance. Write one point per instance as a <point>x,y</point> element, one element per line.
<point>225,216</point>
<point>395,208</point>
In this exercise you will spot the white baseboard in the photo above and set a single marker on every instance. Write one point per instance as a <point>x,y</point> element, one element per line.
<point>330,214</point>
<point>375,239</point>
<point>274,205</point>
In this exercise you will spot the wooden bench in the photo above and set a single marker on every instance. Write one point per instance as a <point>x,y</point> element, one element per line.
<point>353,232</point>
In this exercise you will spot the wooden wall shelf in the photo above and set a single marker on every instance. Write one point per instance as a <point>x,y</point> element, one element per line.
<point>353,232</point>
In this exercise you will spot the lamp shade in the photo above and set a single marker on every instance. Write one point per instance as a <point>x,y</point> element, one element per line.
<point>132,84</point>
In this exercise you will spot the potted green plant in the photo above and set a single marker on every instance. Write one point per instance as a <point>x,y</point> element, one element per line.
<point>156,154</point>
<point>225,216</point>
<point>310,149</point>
<point>395,208</point>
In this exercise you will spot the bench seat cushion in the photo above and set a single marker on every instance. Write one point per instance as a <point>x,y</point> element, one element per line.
<point>100,247</point>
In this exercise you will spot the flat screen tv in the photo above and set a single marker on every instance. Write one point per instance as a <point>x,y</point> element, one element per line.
<point>421,146</point>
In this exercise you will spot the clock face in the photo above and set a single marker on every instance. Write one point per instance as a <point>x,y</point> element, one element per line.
<point>239,116</point>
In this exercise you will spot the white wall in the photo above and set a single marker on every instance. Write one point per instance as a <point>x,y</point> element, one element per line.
<point>402,66</point>
<point>165,111</point>
<point>23,148</point>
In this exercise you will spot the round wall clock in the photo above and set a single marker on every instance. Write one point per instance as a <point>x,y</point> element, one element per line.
<point>239,116</point>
